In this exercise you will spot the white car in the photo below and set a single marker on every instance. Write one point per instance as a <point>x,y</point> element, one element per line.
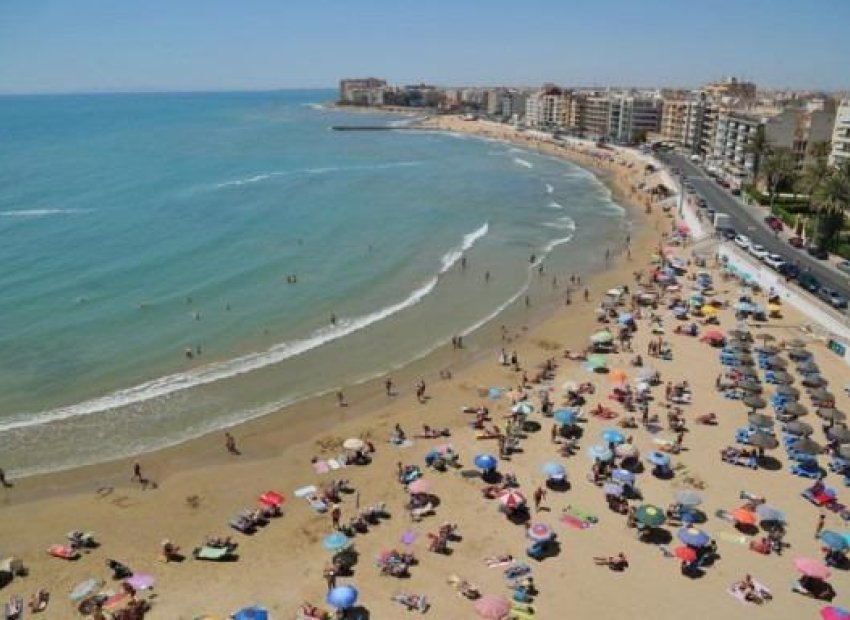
<point>774,261</point>
<point>742,241</point>
<point>758,251</point>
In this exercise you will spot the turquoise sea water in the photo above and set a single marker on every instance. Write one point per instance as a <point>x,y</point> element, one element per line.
<point>135,227</point>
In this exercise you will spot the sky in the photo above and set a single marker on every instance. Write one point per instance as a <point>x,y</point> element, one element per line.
<point>177,45</point>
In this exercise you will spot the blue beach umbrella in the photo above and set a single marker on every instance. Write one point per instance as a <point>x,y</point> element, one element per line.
<point>255,612</point>
<point>494,393</point>
<point>335,542</point>
<point>624,476</point>
<point>554,471</point>
<point>834,540</point>
<point>342,597</point>
<point>611,488</point>
<point>688,498</point>
<point>658,458</point>
<point>612,435</point>
<point>769,513</point>
<point>486,462</point>
<point>626,317</point>
<point>600,453</point>
<point>524,408</point>
<point>693,537</point>
<point>565,416</point>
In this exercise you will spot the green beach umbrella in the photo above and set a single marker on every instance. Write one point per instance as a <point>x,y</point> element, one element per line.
<point>602,337</point>
<point>596,361</point>
<point>650,515</point>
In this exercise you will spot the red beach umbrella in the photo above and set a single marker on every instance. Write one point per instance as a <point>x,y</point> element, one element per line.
<point>686,554</point>
<point>493,607</point>
<point>272,499</point>
<point>509,498</point>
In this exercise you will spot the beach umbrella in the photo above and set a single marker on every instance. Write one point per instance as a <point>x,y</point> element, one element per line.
<point>625,318</point>
<point>602,337</point>
<point>800,429</point>
<point>658,458</point>
<point>539,532</point>
<point>272,499</point>
<point>595,362</point>
<point>834,540</point>
<point>419,486</point>
<point>708,310</point>
<point>600,453</point>
<point>815,381</point>
<point>763,440</point>
<point>626,450</point>
<point>745,359</point>
<point>796,343</point>
<point>808,367</point>
<point>650,515</point>
<point>799,355</point>
<point>761,420</point>
<point>612,488</point>
<point>743,516</point>
<point>554,471</point>
<point>86,588</point>
<point>795,409</point>
<point>841,434</point>
<point>612,435</point>
<point>511,498</point>
<point>486,462</point>
<point>787,390</point>
<point>769,513</point>
<point>768,349</point>
<point>783,378</point>
<point>693,537</point>
<point>623,475</point>
<point>689,498</point>
<point>686,554</point>
<point>712,335</point>
<point>523,407</point>
<point>834,613</point>
<point>492,607</point>
<point>494,393</point>
<point>353,443</point>
<point>765,338</point>
<point>805,445</point>
<point>141,581</point>
<point>739,333</point>
<point>255,612</point>
<point>812,568</point>
<point>755,402</point>
<point>617,376</point>
<point>829,413</point>
<point>565,416</point>
<point>342,597</point>
<point>777,363</point>
<point>335,542</point>
<point>646,373</point>
<point>753,387</point>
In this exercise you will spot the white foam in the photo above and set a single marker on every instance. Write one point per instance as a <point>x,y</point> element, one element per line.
<point>41,212</point>
<point>454,255</point>
<point>562,223</point>
<point>555,205</point>
<point>203,375</point>
<point>523,162</point>
<point>549,189</point>
<point>556,242</point>
<point>322,170</point>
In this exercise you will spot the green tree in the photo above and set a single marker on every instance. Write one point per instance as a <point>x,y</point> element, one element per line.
<point>758,147</point>
<point>815,171</point>
<point>778,167</point>
<point>832,201</point>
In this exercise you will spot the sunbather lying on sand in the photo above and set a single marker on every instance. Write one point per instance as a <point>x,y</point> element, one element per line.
<point>497,560</point>
<point>751,591</point>
<point>618,562</point>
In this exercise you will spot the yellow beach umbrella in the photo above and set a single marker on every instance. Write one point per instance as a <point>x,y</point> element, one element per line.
<point>708,310</point>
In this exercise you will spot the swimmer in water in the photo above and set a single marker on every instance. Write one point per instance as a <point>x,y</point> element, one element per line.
<point>333,319</point>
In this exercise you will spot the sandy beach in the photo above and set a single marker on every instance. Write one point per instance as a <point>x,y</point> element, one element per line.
<point>200,486</point>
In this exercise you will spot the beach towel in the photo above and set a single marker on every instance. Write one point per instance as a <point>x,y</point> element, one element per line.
<point>305,491</point>
<point>321,467</point>
<point>738,539</point>
<point>574,522</point>
<point>584,515</point>
<point>761,590</point>
<point>408,538</point>
<point>499,564</point>
<point>334,464</point>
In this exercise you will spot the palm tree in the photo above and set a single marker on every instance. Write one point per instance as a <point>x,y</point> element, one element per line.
<point>833,200</point>
<point>778,167</point>
<point>758,147</point>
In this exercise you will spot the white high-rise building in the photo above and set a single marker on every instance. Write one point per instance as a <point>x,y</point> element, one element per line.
<point>841,135</point>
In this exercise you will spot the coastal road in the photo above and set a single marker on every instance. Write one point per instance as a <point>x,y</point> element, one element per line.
<point>748,221</point>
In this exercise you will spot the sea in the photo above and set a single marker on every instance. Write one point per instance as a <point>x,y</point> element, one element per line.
<point>174,264</point>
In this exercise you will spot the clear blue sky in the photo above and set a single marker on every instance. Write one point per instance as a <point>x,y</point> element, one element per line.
<point>97,45</point>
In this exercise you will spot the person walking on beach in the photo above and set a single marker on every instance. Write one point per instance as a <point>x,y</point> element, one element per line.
<point>340,398</point>
<point>330,576</point>
<point>336,515</point>
<point>819,526</point>
<point>230,444</point>
<point>554,433</point>
<point>6,484</point>
<point>539,496</point>
<point>137,474</point>
<point>586,295</point>
<point>388,384</point>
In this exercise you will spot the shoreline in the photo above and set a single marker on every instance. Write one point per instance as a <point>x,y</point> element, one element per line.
<point>200,451</point>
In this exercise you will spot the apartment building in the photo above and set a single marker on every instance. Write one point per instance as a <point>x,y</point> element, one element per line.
<point>366,91</point>
<point>841,135</point>
<point>548,108</point>
<point>683,120</point>
<point>731,88</point>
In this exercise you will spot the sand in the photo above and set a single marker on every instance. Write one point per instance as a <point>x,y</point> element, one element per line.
<point>200,486</point>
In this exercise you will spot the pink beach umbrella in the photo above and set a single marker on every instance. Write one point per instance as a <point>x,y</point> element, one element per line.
<point>141,581</point>
<point>540,531</point>
<point>834,613</point>
<point>493,607</point>
<point>419,486</point>
<point>510,498</point>
<point>812,568</point>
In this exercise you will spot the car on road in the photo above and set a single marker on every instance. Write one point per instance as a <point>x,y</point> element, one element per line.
<point>832,297</point>
<point>774,261</point>
<point>797,242</point>
<point>844,266</point>
<point>727,233</point>
<point>818,252</point>
<point>701,203</point>
<point>735,191</point>
<point>789,270</point>
<point>759,251</point>
<point>808,281</point>
<point>774,222</point>
<point>742,241</point>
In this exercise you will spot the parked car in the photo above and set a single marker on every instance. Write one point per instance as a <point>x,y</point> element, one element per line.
<point>832,297</point>
<point>818,252</point>
<point>759,251</point>
<point>774,222</point>
<point>844,266</point>
<point>736,191</point>
<point>727,233</point>
<point>774,261</point>
<point>701,203</point>
<point>789,270</point>
<point>796,242</point>
<point>742,241</point>
<point>808,281</point>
